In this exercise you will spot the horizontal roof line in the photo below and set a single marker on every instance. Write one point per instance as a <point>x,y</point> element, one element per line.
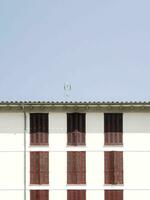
<point>74,103</point>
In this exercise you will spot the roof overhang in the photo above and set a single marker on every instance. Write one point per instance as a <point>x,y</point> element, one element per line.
<point>32,106</point>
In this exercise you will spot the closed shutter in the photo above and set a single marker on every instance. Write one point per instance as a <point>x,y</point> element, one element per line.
<point>44,168</point>
<point>34,168</point>
<point>76,194</point>
<point>118,167</point>
<point>109,167</point>
<point>38,128</point>
<point>76,129</point>
<point>113,128</point>
<point>76,168</point>
<point>39,195</point>
<point>113,167</point>
<point>81,167</point>
<point>113,194</point>
<point>71,168</point>
<point>39,164</point>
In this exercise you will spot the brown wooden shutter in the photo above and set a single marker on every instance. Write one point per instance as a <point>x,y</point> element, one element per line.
<point>76,194</point>
<point>39,195</point>
<point>71,168</point>
<point>109,167</point>
<point>38,128</point>
<point>39,167</point>
<point>76,129</point>
<point>113,167</point>
<point>118,167</point>
<point>44,168</point>
<point>34,168</point>
<point>113,128</point>
<point>113,194</point>
<point>76,167</point>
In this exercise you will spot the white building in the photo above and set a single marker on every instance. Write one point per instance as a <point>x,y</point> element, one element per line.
<point>23,174</point>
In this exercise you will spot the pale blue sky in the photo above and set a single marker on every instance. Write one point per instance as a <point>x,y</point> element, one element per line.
<point>101,46</point>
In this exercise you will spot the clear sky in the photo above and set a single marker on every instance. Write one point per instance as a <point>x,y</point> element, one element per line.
<point>102,47</point>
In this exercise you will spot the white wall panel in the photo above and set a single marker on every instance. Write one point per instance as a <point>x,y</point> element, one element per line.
<point>11,131</point>
<point>11,194</point>
<point>136,131</point>
<point>136,122</point>
<point>136,141</point>
<point>136,194</point>
<point>136,169</point>
<point>94,130</point>
<point>58,195</point>
<point>11,123</point>
<point>95,195</point>
<point>95,169</point>
<point>11,170</point>
<point>58,169</point>
<point>57,131</point>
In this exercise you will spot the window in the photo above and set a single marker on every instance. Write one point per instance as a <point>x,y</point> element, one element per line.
<point>76,167</point>
<point>113,194</point>
<point>39,129</point>
<point>76,129</point>
<point>113,128</point>
<point>76,195</point>
<point>114,167</point>
<point>39,195</point>
<point>39,167</point>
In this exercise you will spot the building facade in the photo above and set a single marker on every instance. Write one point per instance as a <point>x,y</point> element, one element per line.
<point>74,150</point>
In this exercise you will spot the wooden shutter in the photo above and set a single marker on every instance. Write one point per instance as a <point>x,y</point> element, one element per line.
<point>113,194</point>
<point>76,167</point>
<point>76,194</point>
<point>118,167</point>
<point>113,128</point>
<point>76,128</point>
<point>113,167</point>
<point>34,168</point>
<point>39,167</point>
<point>38,128</point>
<point>44,167</point>
<point>39,195</point>
<point>109,167</point>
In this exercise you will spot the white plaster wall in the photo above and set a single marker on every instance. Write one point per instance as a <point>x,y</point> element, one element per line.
<point>11,122</point>
<point>95,169</point>
<point>94,130</point>
<point>58,169</point>
<point>11,131</point>
<point>57,131</point>
<point>11,194</point>
<point>136,170</point>
<point>95,195</point>
<point>58,194</point>
<point>136,122</point>
<point>11,170</point>
<point>137,194</point>
<point>136,131</point>
<point>27,130</point>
